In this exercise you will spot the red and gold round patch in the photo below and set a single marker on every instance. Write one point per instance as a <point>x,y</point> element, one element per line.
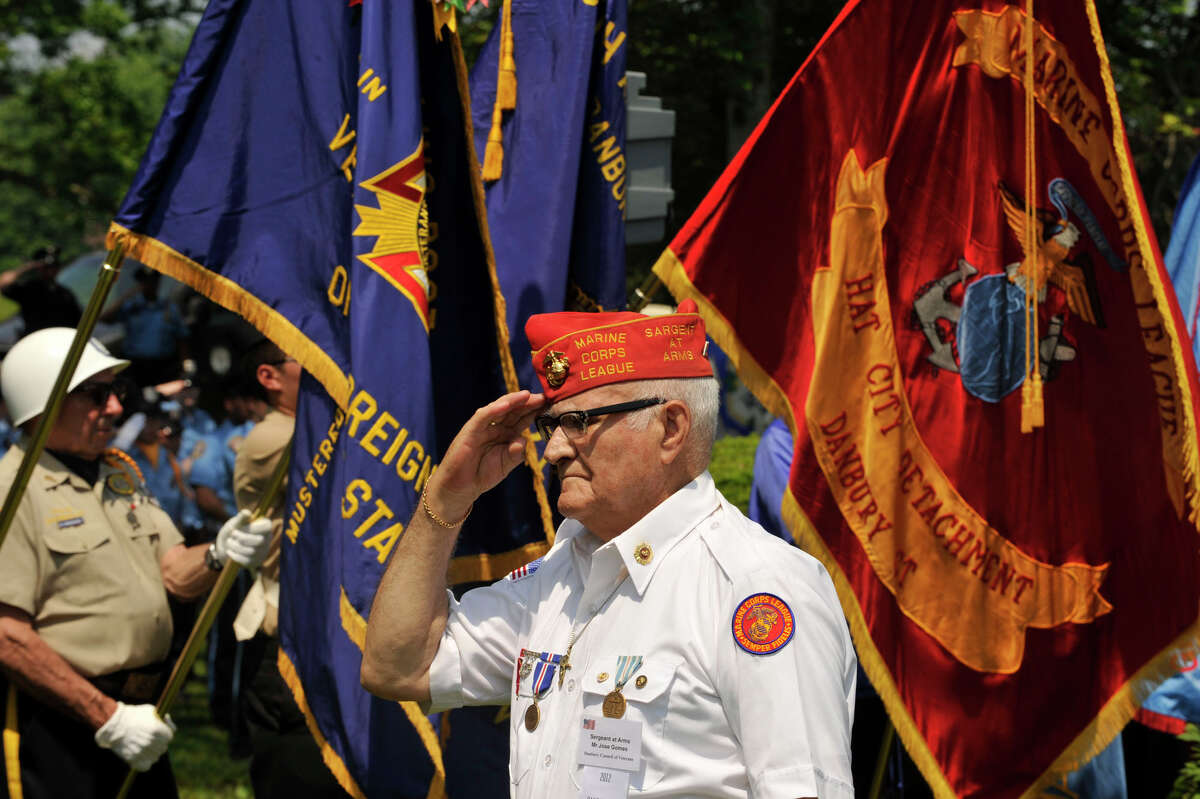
<point>763,624</point>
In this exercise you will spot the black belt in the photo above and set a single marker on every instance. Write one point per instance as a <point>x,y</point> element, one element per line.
<point>138,685</point>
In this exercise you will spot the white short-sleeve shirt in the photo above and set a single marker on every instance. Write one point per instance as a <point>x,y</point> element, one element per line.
<point>717,719</point>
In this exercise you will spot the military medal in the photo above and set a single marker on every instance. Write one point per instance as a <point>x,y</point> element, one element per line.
<point>539,668</point>
<point>532,716</point>
<point>525,666</point>
<point>614,703</point>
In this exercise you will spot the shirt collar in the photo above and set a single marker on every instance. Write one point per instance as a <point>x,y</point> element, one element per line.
<point>55,472</point>
<point>659,530</point>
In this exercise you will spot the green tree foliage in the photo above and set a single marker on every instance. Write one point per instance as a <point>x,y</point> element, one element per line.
<point>1154,48</point>
<point>76,111</point>
<point>718,64</point>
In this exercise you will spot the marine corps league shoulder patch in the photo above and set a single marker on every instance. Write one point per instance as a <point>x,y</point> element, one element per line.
<point>763,624</point>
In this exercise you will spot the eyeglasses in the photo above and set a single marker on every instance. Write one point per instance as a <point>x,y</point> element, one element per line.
<point>98,393</point>
<point>282,361</point>
<point>575,423</point>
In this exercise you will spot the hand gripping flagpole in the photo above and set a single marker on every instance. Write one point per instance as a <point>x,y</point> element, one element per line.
<point>109,272</point>
<point>208,614</point>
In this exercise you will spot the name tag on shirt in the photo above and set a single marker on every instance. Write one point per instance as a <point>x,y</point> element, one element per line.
<point>612,744</point>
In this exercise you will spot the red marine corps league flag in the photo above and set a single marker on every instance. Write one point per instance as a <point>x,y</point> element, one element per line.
<point>1013,594</point>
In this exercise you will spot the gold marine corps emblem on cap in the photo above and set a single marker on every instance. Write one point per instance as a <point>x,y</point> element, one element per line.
<point>557,366</point>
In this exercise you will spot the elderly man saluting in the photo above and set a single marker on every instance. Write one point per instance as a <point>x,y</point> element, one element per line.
<point>84,576</point>
<point>665,645</point>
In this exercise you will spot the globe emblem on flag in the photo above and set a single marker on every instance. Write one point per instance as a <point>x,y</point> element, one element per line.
<point>400,225</point>
<point>983,339</point>
<point>991,338</point>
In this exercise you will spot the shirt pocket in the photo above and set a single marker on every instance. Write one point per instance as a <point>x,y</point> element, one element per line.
<point>82,564</point>
<point>145,524</point>
<point>66,538</point>
<point>647,695</point>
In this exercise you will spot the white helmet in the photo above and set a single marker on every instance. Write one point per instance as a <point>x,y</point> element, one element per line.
<point>29,370</point>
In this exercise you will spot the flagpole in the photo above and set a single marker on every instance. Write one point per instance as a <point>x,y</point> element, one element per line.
<point>885,749</point>
<point>643,293</point>
<point>208,614</point>
<point>109,272</point>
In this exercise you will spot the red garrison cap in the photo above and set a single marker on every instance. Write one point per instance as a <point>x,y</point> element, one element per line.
<point>574,352</point>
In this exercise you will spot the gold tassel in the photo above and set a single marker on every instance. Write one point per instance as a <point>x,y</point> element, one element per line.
<point>493,156</point>
<point>1037,408</point>
<point>506,98</point>
<point>506,80</point>
<point>1033,408</point>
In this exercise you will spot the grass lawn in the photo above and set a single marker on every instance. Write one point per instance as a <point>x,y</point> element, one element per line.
<point>200,751</point>
<point>732,467</point>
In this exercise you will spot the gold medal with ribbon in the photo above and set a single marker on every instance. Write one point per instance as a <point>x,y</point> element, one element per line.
<point>614,703</point>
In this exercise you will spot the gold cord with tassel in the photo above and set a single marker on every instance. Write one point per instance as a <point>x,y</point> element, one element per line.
<point>116,458</point>
<point>1033,413</point>
<point>506,80</point>
<point>506,97</point>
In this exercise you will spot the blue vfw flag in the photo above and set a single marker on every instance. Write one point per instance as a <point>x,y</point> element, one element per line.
<point>553,149</point>
<point>312,172</point>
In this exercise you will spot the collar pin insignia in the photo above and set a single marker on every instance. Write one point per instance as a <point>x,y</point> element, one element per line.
<point>643,554</point>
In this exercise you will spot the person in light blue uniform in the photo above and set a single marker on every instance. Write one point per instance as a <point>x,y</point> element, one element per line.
<point>158,465</point>
<point>211,480</point>
<point>772,464</point>
<point>195,423</point>
<point>155,332</point>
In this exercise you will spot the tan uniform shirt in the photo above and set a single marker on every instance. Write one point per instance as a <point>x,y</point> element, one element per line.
<point>83,562</point>
<point>255,464</point>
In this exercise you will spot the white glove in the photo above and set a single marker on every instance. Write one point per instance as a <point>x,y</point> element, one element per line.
<point>136,734</point>
<point>243,541</point>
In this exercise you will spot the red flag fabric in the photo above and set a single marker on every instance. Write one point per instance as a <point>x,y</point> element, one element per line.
<point>863,261</point>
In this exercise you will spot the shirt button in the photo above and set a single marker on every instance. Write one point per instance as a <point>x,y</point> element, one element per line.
<point>547,761</point>
<point>570,686</point>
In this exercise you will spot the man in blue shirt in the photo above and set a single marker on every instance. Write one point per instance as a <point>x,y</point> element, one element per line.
<point>155,333</point>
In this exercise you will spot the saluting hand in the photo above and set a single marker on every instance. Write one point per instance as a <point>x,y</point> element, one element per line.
<point>486,449</point>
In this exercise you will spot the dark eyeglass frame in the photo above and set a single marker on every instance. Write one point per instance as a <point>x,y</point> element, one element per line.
<point>580,420</point>
<point>98,393</point>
